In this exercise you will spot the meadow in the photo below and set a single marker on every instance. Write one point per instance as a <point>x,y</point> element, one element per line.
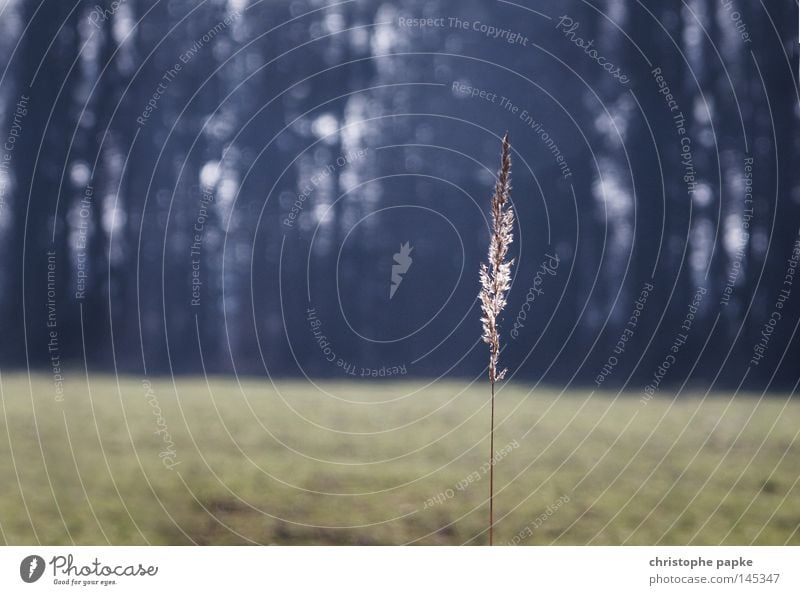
<point>221,461</point>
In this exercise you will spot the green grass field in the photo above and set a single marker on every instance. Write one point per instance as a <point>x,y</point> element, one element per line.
<point>389,463</point>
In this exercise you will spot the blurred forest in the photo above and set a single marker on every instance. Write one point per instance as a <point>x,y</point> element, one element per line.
<point>222,187</point>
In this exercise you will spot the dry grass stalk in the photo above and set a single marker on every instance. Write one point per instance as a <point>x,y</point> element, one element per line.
<point>495,281</point>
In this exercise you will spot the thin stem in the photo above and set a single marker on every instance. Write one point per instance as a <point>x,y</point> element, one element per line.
<point>491,472</point>
<point>495,281</point>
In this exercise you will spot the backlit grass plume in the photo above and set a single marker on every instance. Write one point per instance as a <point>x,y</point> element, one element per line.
<point>495,282</point>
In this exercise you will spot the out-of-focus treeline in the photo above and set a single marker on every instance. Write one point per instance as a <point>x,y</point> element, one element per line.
<point>222,186</point>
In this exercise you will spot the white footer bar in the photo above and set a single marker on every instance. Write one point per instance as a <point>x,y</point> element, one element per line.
<point>389,570</point>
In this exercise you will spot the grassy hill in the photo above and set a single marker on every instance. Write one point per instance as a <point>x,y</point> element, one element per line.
<point>135,461</point>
